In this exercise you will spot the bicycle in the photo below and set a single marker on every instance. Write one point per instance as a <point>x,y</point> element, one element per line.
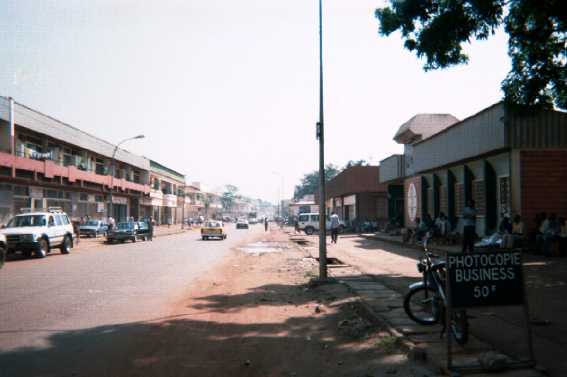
<point>426,301</point>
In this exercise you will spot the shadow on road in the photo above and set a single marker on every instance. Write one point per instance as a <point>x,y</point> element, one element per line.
<point>327,341</point>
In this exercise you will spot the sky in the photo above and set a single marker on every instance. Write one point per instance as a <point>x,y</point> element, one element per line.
<point>227,92</point>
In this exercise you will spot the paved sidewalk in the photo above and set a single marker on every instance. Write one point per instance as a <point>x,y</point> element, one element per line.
<point>381,273</point>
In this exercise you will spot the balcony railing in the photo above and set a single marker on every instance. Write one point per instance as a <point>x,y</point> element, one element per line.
<point>50,169</point>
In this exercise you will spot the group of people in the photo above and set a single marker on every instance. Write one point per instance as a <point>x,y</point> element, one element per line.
<point>440,227</point>
<point>550,230</point>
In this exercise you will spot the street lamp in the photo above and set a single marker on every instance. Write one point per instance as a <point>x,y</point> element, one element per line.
<point>280,193</point>
<point>113,172</point>
<point>321,137</point>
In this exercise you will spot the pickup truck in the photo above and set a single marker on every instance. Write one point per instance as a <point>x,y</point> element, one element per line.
<point>309,223</point>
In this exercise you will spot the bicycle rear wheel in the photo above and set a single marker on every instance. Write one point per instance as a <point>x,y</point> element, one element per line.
<point>422,305</point>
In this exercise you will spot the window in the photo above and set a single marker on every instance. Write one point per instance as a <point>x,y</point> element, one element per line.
<point>314,217</point>
<point>304,209</point>
<point>100,166</point>
<point>65,219</point>
<point>303,217</point>
<point>504,194</point>
<point>51,222</point>
<point>21,190</point>
<point>83,197</point>
<point>58,220</point>
<point>136,176</point>
<point>70,157</point>
<point>99,198</point>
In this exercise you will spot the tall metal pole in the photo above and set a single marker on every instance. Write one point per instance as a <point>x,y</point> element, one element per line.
<point>113,172</point>
<point>321,135</point>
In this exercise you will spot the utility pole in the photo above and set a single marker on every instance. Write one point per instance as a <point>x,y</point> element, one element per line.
<point>113,172</point>
<point>321,137</point>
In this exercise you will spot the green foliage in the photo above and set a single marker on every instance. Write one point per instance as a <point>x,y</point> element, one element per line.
<point>389,344</point>
<point>229,196</point>
<point>310,182</point>
<point>436,31</point>
<point>352,163</point>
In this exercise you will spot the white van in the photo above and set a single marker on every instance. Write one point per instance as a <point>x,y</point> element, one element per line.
<point>309,223</point>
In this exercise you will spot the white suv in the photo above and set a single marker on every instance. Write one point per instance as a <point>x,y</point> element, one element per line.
<point>39,232</point>
<point>309,223</point>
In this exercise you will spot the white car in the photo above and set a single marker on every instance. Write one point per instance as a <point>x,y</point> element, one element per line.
<point>309,223</point>
<point>242,224</point>
<point>38,233</point>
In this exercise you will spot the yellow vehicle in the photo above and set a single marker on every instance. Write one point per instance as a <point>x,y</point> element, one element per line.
<point>213,229</point>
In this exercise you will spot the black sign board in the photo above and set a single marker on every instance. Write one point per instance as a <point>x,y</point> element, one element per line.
<point>485,279</point>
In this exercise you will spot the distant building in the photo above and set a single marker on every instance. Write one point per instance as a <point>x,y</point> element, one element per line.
<point>162,202</point>
<point>305,204</point>
<point>356,195</point>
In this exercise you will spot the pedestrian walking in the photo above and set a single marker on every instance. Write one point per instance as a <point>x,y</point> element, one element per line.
<point>77,231</point>
<point>150,229</point>
<point>335,225</point>
<point>265,224</point>
<point>469,227</point>
<point>111,223</point>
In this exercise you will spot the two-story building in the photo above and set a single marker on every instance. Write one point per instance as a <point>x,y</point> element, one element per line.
<point>357,195</point>
<point>45,162</point>
<point>162,202</point>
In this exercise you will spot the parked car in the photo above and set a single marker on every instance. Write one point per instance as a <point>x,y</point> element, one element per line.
<point>93,228</point>
<point>39,232</point>
<point>309,223</point>
<point>213,229</point>
<point>2,249</point>
<point>142,230</point>
<point>128,231</point>
<point>242,224</point>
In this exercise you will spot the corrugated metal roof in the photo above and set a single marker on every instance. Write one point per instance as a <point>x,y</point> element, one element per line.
<point>422,126</point>
<point>46,125</point>
<point>164,170</point>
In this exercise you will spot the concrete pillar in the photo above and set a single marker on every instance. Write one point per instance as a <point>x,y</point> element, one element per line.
<point>12,126</point>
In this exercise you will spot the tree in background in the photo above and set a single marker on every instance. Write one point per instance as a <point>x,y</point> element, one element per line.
<point>228,197</point>
<point>537,31</point>
<point>352,163</point>
<point>310,182</point>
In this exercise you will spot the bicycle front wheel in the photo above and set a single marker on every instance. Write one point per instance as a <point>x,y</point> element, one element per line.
<point>460,327</point>
<point>422,305</point>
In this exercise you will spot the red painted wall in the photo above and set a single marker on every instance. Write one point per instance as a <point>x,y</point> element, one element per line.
<point>544,183</point>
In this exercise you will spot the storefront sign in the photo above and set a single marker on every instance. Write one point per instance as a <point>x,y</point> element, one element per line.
<point>36,192</point>
<point>170,201</point>
<point>485,279</point>
<point>100,207</point>
<point>119,200</point>
<point>412,202</point>
<point>349,200</point>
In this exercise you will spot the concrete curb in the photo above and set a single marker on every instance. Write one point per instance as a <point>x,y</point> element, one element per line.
<point>416,351</point>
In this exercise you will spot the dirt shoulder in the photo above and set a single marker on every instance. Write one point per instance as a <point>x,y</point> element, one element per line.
<point>256,315</point>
